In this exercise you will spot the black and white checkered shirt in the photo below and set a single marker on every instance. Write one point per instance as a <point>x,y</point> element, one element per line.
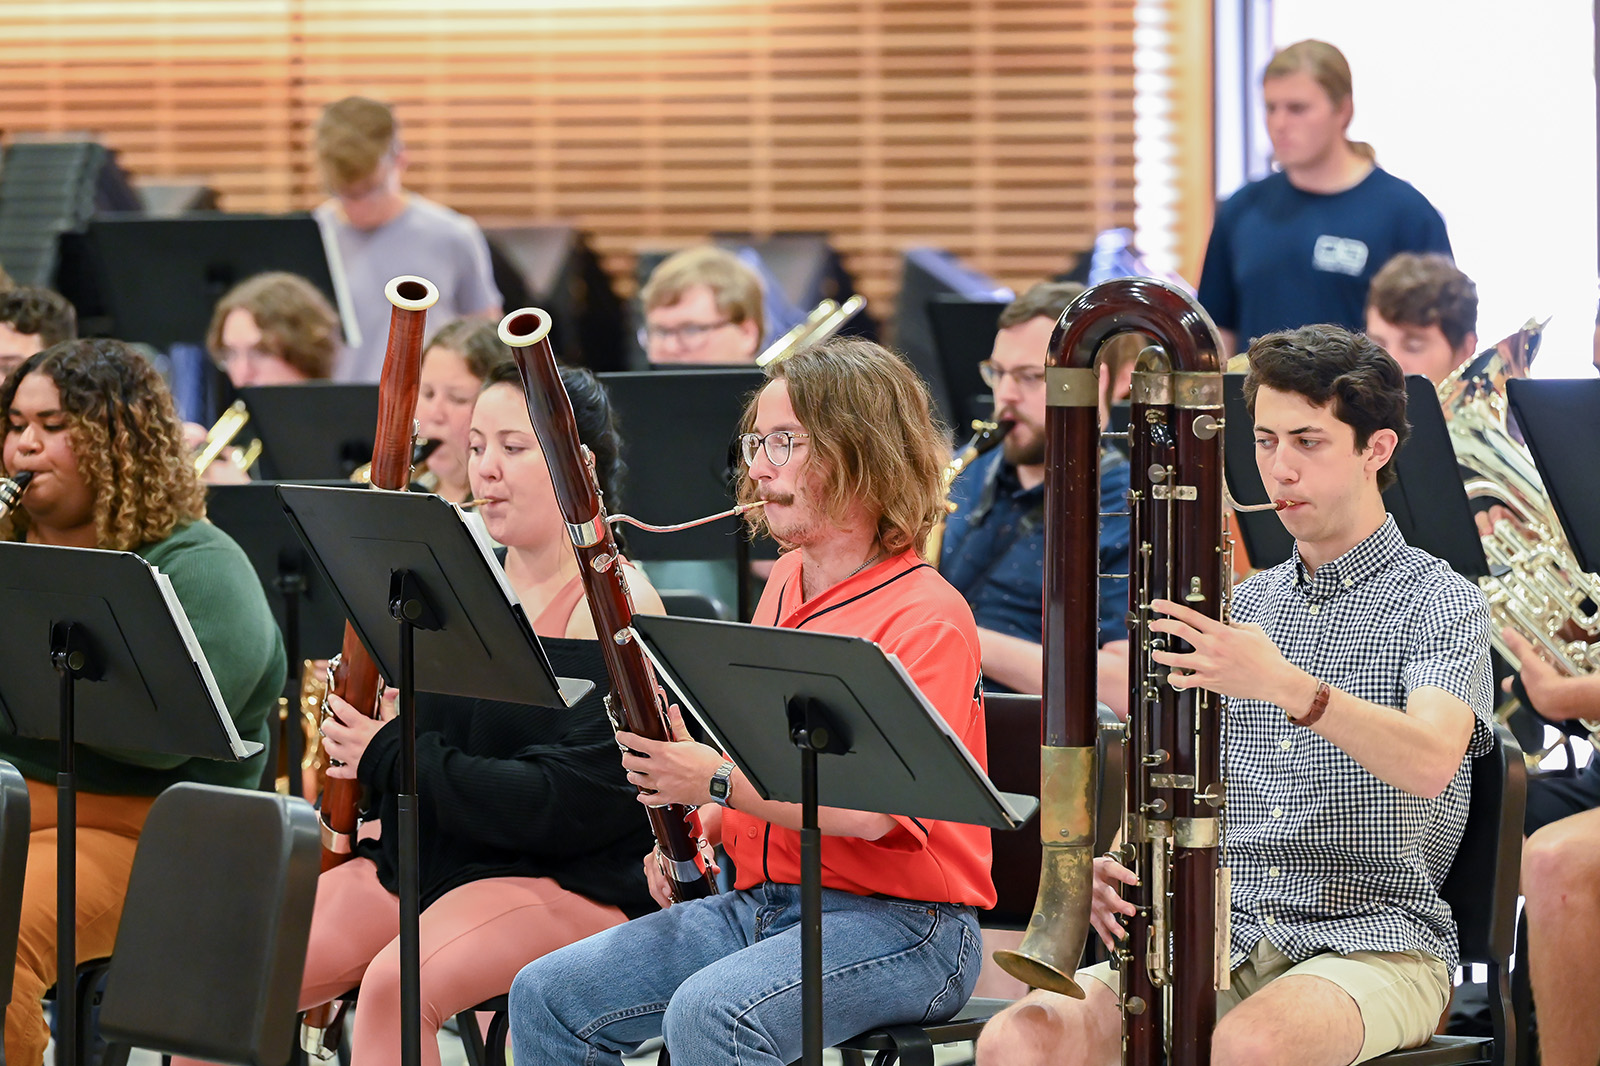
<point>1324,856</point>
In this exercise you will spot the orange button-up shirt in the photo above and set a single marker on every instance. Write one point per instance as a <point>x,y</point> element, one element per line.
<point>905,607</point>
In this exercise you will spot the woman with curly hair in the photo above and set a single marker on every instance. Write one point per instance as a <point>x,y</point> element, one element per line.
<point>94,423</point>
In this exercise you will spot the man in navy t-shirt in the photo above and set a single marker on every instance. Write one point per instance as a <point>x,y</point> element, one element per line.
<point>1300,246</point>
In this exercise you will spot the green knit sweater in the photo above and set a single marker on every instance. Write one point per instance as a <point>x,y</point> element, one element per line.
<point>220,593</point>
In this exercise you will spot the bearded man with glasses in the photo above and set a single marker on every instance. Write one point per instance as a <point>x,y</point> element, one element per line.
<point>993,551</point>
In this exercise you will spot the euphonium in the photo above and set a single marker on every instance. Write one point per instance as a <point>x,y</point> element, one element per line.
<point>825,319</point>
<point>986,436</point>
<point>1535,587</point>
<point>219,436</point>
<point>1172,827</point>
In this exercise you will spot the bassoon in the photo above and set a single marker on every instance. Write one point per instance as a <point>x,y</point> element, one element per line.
<point>1177,943</point>
<point>636,702</point>
<point>353,676</point>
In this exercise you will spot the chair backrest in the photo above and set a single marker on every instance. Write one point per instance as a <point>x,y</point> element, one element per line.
<point>1481,886</point>
<point>691,603</point>
<point>14,825</point>
<point>1012,728</point>
<point>212,945</point>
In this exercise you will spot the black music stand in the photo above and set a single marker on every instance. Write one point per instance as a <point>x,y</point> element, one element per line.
<point>763,692</point>
<point>963,335</point>
<point>99,651</point>
<point>1428,499</point>
<point>432,606</point>
<point>1560,423</point>
<point>683,462</point>
<point>317,430</point>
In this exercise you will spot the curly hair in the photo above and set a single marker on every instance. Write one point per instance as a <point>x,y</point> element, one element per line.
<point>1426,290</point>
<point>127,440</point>
<point>29,309</point>
<point>873,435</point>
<point>1331,367</point>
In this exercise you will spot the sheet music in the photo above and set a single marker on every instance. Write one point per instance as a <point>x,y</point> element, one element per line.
<point>198,656</point>
<point>474,523</point>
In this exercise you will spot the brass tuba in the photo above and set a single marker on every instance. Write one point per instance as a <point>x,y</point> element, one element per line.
<point>1177,944</point>
<point>1535,586</point>
<point>219,436</point>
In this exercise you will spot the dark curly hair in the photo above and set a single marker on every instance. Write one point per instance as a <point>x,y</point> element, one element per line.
<point>1426,290</point>
<point>1330,365</point>
<point>127,440</point>
<point>597,423</point>
<point>28,309</point>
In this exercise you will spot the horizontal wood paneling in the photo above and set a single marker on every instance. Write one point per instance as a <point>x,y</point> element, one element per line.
<point>1000,129</point>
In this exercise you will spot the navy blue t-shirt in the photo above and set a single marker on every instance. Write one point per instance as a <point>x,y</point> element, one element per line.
<point>1282,258</point>
<point>993,551</point>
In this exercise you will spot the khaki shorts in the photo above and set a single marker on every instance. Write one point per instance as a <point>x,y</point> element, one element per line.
<point>1400,994</point>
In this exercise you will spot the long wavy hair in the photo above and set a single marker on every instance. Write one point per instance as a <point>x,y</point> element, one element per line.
<point>127,440</point>
<point>873,437</point>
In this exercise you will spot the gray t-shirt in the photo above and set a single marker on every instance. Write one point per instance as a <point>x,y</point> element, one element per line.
<point>426,239</point>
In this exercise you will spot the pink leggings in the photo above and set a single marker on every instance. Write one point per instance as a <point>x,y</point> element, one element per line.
<point>474,940</point>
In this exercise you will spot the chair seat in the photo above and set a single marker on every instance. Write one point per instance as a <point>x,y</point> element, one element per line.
<point>964,1026</point>
<point>1443,1051</point>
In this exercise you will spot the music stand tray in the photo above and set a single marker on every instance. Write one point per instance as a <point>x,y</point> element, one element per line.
<point>317,430</point>
<point>483,645</point>
<point>307,610</point>
<point>1560,423</point>
<point>1428,499</point>
<point>766,694</point>
<point>98,651</point>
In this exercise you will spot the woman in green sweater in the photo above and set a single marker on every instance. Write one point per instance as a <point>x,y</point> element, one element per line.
<point>94,423</point>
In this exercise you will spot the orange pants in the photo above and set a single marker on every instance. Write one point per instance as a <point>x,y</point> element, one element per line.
<point>474,940</point>
<point>108,832</point>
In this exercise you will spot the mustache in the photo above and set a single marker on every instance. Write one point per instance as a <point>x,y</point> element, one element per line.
<point>782,499</point>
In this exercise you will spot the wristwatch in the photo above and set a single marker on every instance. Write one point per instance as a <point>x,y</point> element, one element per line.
<point>722,783</point>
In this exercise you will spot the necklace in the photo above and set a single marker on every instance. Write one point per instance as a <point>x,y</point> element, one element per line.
<point>864,565</point>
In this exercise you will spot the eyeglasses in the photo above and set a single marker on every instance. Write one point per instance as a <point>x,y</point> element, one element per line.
<point>1027,378</point>
<point>689,335</point>
<point>779,445</point>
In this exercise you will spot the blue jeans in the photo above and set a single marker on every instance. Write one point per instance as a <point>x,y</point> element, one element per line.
<point>720,978</point>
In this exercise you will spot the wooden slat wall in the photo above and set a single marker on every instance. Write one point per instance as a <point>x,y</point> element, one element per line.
<point>999,129</point>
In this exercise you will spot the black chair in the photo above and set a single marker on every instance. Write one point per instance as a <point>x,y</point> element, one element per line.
<point>212,945</point>
<point>479,1050</point>
<point>692,603</point>
<point>1481,889</point>
<point>1011,725</point>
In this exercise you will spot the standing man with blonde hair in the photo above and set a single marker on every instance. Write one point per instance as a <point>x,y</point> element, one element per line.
<point>1301,245</point>
<point>381,230</point>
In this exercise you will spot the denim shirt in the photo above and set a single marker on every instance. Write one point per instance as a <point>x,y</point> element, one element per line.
<point>993,549</point>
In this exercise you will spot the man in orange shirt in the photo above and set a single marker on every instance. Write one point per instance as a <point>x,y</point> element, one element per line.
<point>842,448</point>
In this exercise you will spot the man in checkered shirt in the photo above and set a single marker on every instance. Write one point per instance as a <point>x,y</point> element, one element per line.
<point>1358,681</point>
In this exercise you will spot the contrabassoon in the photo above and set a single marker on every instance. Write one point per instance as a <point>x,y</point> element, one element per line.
<point>1177,943</point>
<point>353,675</point>
<point>636,702</point>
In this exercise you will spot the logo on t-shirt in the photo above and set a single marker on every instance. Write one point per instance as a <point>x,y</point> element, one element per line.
<point>1339,255</point>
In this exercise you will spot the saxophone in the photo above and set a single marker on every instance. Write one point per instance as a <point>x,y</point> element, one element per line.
<point>986,436</point>
<point>1535,586</point>
<point>1175,957</point>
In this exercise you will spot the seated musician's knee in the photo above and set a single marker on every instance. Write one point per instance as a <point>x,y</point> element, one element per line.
<point>1034,1030</point>
<point>1556,861</point>
<point>1237,1043</point>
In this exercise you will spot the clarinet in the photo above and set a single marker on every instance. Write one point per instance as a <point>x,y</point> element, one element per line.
<point>636,703</point>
